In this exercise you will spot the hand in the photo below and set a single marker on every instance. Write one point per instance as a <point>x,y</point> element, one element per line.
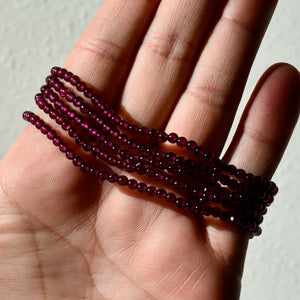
<point>174,65</point>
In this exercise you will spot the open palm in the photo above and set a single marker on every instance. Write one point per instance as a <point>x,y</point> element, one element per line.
<point>177,65</point>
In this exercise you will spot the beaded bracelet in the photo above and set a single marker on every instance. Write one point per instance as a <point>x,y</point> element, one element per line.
<point>199,182</point>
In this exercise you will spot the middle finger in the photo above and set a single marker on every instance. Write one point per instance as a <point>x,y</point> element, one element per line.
<point>166,58</point>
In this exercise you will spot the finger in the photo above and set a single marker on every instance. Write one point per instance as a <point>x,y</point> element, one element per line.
<point>166,58</point>
<point>103,54</point>
<point>209,102</point>
<point>267,123</point>
<point>260,140</point>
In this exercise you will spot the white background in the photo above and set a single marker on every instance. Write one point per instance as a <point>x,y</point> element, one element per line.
<point>35,35</point>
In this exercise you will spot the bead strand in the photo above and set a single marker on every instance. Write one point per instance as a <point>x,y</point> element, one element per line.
<point>208,185</point>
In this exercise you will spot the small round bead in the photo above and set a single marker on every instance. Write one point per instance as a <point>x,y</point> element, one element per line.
<point>74,80</point>
<point>181,142</point>
<point>45,129</point>
<point>54,70</point>
<point>132,184</point>
<point>67,76</point>
<point>173,137</point>
<point>61,72</point>
<point>77,161</point>
<point>180,203</point>
<point>122,180</point>
<point>170,197</point>
<point>103,175</point>
<point>162,137</point>
<point>151,190</point>
<point>88,92</point>
<point>39,123</point>
<point>142,187</point>
<point>80,86</point>
<point>240,174</point>
<point>63,147</point>
<point>51,134</point>
<point>113,177</point>
<point>70,154</point>
<point>85,167</point>
<point>161,193</point>
<point>27,115</point>
<point>191,145</point>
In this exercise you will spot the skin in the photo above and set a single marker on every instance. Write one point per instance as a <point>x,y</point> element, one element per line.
<point>174,65</point>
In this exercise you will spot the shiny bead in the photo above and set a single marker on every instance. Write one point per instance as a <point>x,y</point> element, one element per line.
<point>122,180</point>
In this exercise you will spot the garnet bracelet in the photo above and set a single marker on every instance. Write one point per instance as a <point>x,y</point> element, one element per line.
<point>198,181</point>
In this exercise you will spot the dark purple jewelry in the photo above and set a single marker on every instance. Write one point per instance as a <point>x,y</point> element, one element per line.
<point>200,182</point>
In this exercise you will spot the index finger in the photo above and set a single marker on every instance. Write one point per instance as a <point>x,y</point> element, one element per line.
<point>104,53</point>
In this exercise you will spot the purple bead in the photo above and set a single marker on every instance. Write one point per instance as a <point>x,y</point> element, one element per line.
<point>87,147</point>
<point>180,203</point>
<point>85,125</point>
<point>151,191</point>
<point>27,115</point>
<point>71,114</point>
<point>61,72</point>
<point>173,137</point>
<point>94,171</point>
<point>33,119</point>
<point>142,187</point>
<point>45,129</point>
<point>57,141</point>
<point>159,176</point>
<point>273,188</point>
<point>54,70</point>
<point>95,150</point>
<point>51,134</point>
<point>240,173</point>
<point>161,193</point>
<point>224,179</point>
<point>170,157</point>
<point>191,145</point>
<point>132,184</point>
<point>85,167</point>
<point>93,131</point>
<point>70,97</point>
<point>67,76</point>
<point>70,154</point>
<point>112,161</point>
<point>121,164</point>
<point>103,175</point>
<point>84,108</point>
<point>63,92</point>
<point>122,180</point>
<point>39,123</point>
<point>77,102</point>
<point>74,80</point>
<point>63,147</point>
<point>162,137</point>
<point>170,197</point>
<point>80,86</point>
<point>181,142</point>
<point>113,177</point>
<point>130,168</point>
<point>88,92</point>
<point>77,161</point>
